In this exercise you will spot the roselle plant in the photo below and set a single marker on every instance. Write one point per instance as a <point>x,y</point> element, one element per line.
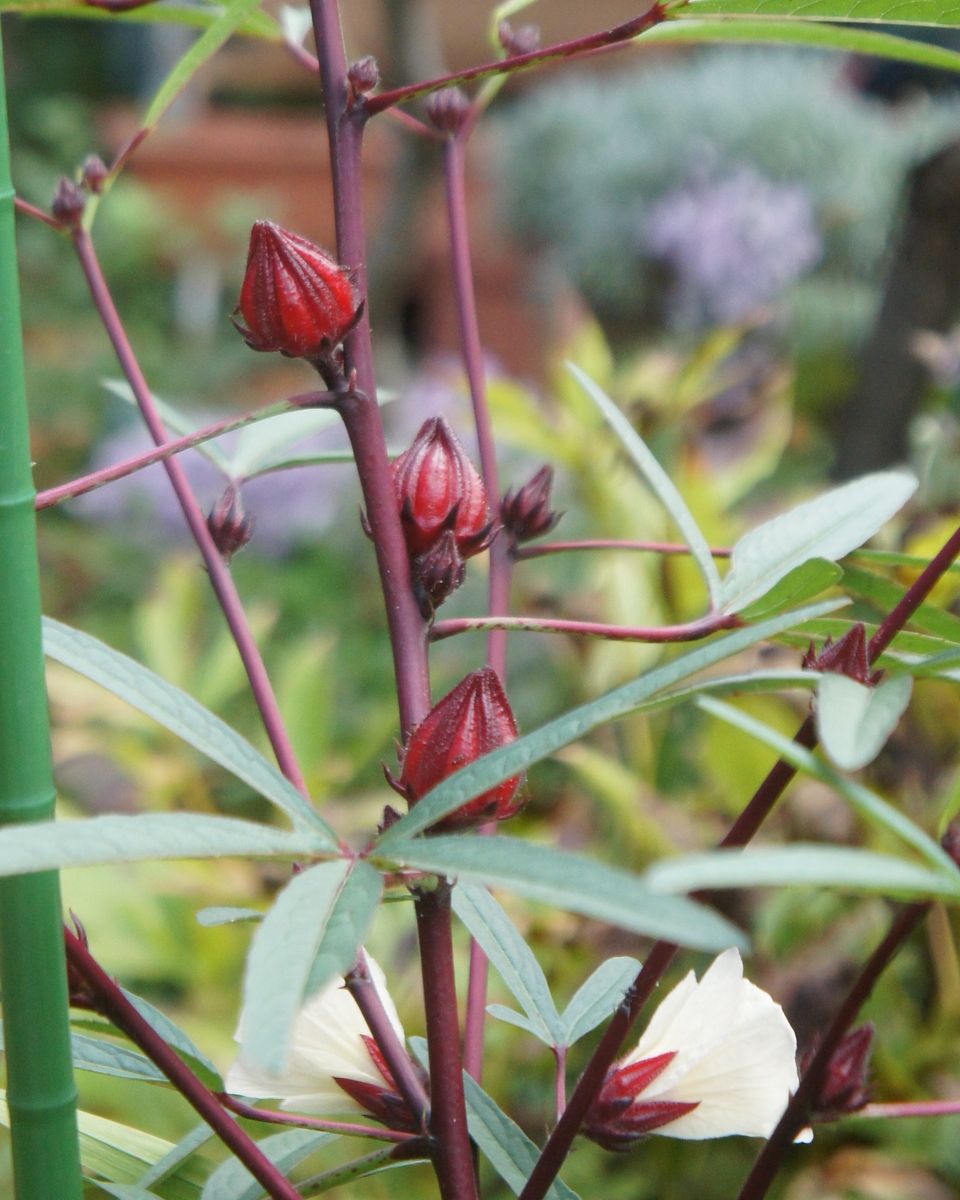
<point>321,1049</point>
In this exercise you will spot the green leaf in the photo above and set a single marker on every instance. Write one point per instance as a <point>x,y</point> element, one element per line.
<point>483,774</point>
<point>378,1161</point>
<point>510,1152</point>
<point>494,932</point>
<point>829,526</point>
<point>50,845</point>
<point>298,948</point>
<point>571,882</point>
<point>770,31</point>
<point>174,1036</point>
<point>868,804</point>
<point>264,447</point>
<point>125,1191</point>
<point>899,12</point>
<point>232,16</point>
<point>107,1058</point>
<point>598,997</point>
<point>175,420</point>
<point>802,583</point>
<point>502,1013</point>
<point>804,866</point>
<point>188,1145</point>
<point>886,595</point>
<point>854,721</point>
<point>183,716</point>
<point>232,1181</point>
<point>219,914</point>
<point>194,16</point>
<point>657,479</point>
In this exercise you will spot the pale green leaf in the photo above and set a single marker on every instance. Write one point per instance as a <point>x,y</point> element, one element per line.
<point>175,420</point>
<point>829,527</point>
<point>262,446</point>
<point>220,914</point>
<point>188,1145</point>
<point>232,1181</point>
<point>183,716</point>
<point>174,1036</point>
<point>854,721</point>
<point>193,16</point>
<point>886,595</point>
<point>454,791</point>
<point>804,582</point>
<point>502,1013</point>
<point>598,997</point>
<point>108,1058</point>
<point>887,12</point>
<point>571,882</point>
<point>657,479</point>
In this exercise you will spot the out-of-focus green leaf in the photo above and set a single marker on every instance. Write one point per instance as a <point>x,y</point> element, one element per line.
<point>232,1181</point>
<point>801,584</point>
<point>298,948</point>
<point>885,595</point>
<point>183,716</point>
<point>107,1058</point>
<point>854,721</point>
<point>220,914</point>
<point>888,12</point>
<point>571,882</point>
<point>868,804</point>
<point>491,769</point>
<point>174,1036</point>
<point>513,959</point>
<point>188,1145</point>
<point>193,16</point>
<point>597,997</point>
<point>511,1153</point>
<point>658,480</point>
<point>175,420</point>
<point>805,866</point>
<point>829,527</point>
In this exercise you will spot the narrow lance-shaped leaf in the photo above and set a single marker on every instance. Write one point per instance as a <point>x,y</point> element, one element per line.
<point>183,716</point>
<point>597,997</point>
<point>232,1181</point>
<point>657,478</point>
<point>868,804</point>
<point>903,12</point>
<point>491,769</point>
<point>854,721</point>
<point>298,948</point>
<point>571,882</point>
<point>513,959</point>
<point>42,1095</point>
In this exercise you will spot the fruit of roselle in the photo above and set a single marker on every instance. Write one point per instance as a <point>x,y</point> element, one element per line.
<point>295,298</point>
<point>468,722</point>
<point>525,512</point>
<point>438,489</point>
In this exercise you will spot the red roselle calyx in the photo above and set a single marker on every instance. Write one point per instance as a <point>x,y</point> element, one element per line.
<point>468,722</point>
<point>295,298</point>
<point>617,1118</point>
<point>437,573</point>
<point>229,525</point>
<point>438,489</point>
<point>847,656</point>
<point>844,1087</point>
<point>525,512</point>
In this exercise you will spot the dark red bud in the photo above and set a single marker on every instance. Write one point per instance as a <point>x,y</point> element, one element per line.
<point>229,526</point>
<point>468,722</point>
<point>384,1103</point>
<point>438,488</point>
<point>525,39</point>
<point>448,109</point>
<point>69,202</point>
<point>93,173</point>
<point>437,573</point>
<point>363,75</point>
<point>618,1116</point>
<point>525,512</point>
<point>844,1088</point>
<point>848,656</point>
<point>295,298</point>
<point>951,840</point>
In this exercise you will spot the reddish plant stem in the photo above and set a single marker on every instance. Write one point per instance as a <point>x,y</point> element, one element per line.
<point>795,1115</point>
<point>98,479</point>
<point>220,577</point>
<point>908,1108</point>
<point>38,214</point>
<point>106,997</point>
<point>518,62</point>
<point>544,548</point>
<point>454,1158</point>
<point>271,1117</point>
<point>455,1169</point>
<point>560,1079</point>
<point>691,631</point>
<point>362,988</point>
<point>658,960</point>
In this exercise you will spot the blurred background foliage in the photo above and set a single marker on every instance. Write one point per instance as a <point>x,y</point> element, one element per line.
<point>706,237</point>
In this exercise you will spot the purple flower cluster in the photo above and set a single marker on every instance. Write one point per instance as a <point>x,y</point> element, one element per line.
<point>732,244</point>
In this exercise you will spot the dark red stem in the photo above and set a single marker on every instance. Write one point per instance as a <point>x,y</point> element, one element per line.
<point>271,1117</point>
<point>107,998</point>
<point>795,1115</point>
<point>519,62</point>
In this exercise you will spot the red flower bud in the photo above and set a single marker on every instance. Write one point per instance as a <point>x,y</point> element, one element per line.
<point>229,526</point>
<point>448,109</point>
<point>526,512</point>
<point>438,488</point>
<point>525,39</point>
<point>844,1087</point>
<point>69,202</point>
<point>295,298</point>
<point>468,722</point>
<point>848,656</point>
<point>617,1117</point>
<point>363,75</point>
<point>94,173</point>
<point>437,573</point>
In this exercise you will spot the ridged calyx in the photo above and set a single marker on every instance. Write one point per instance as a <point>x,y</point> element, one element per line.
<point>847,656</point>
<point>525,512</point>
<point>468,722</point>
<point>845,1086</point>
<point>438,489</point>
<point>229,525</point>
<point>295,298</point>
<point>437,573</point>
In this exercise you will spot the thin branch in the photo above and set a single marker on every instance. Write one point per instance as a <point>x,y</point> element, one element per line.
<point>519,62</point>
<point>544,548</point>
<point>38,214</point>
<point>220,577</point>
<point>691,631</point>
<point>271,1117</point>
<point>107,998</point>
<point>908,1108</point>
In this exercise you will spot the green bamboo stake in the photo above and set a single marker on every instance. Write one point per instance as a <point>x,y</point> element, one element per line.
<point>41,1094</point>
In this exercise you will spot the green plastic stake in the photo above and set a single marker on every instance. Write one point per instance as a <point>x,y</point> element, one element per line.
<point>40,1089</point>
